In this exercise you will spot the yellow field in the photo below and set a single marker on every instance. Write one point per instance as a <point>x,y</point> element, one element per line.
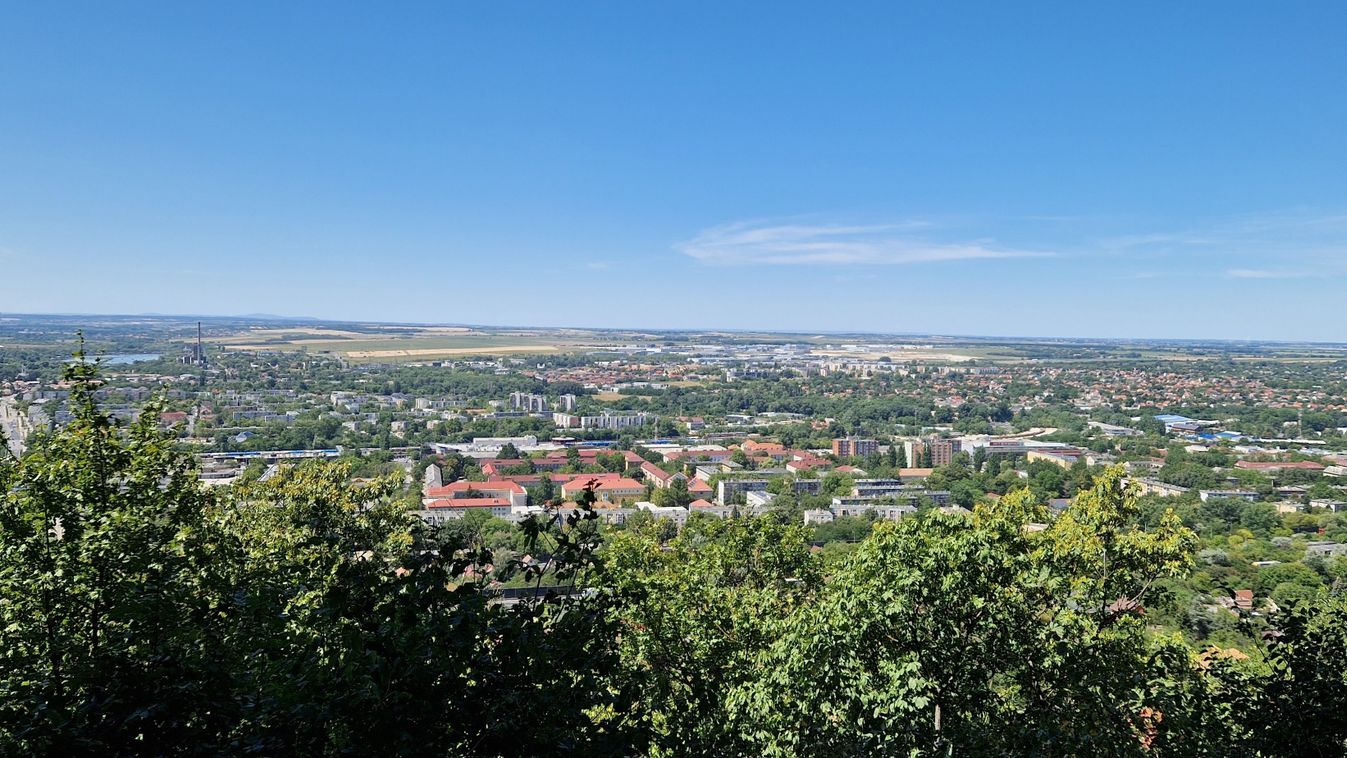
<point>316,332</point>
<point>394,343</point>
<point>427,352</point>
<point>428,329</point>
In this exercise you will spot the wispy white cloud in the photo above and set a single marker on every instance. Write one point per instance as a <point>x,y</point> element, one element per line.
<point>1291,244</point>
<point>1260,273</point>
<point>1166,239</point>
<point>1291,221</point>
<point>794,244</point>
<point>1252,246</point>
<point>598,265</point>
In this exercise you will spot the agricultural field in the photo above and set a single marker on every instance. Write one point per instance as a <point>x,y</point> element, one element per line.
<point>379,343</point>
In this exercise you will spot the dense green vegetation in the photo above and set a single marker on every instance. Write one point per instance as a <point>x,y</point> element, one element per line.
<point>310,615</point>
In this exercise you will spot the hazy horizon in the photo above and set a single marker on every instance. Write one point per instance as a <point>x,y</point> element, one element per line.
<point>280,318</point>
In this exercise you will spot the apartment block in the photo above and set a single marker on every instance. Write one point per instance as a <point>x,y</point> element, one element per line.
<point>854,447</point>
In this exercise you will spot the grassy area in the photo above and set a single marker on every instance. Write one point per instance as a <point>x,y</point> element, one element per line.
<point>417,342</point>
<point>413,344</point>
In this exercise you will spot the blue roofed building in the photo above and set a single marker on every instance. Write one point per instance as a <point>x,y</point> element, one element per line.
<point>1174,423</point>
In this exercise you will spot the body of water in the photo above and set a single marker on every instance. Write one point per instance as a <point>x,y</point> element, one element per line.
<point>122,359</point>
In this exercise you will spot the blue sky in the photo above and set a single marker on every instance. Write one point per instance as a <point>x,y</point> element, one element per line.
<point>1058,169</point>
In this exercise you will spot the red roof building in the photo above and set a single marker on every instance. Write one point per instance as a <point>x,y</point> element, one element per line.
<point>499,507</point>
<point>523,480</point>
<point>470,502</point>
<point>714,456</point>
<point>774,450</point>
<point>465,490</point>
<point>613,488</point>
<point>1244,600</point>
<point>807,463</point>
<point>495,465</point>
<point>658,476</point>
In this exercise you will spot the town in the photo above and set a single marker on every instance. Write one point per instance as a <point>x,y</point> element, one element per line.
<point>831,433</point>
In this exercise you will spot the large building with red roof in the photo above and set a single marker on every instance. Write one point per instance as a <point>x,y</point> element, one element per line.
<point>511,492</point>
<point>658,476</point>
<point>612,488</point>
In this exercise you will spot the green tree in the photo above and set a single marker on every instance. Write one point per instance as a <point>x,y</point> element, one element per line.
<point>1259,518</point>
<point>1270,577</point>
<point>1294,700</point>
<point>896,456</point>
<point>1188,474</point>
<point>547,490</point>
<point>612,462</point>
<point>104,568</point>
<point>302,615</point>
<point>835,483</point>
<point>695,615</point>
<point>931,638</point>
<point>356,628</point>
<point>674,495</point>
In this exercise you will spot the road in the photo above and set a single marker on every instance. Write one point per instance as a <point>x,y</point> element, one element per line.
<point>13,425</point>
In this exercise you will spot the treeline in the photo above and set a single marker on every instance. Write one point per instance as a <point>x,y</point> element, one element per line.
<point>29,363</point>
<point>140,614</point>
<point>437,382</point>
